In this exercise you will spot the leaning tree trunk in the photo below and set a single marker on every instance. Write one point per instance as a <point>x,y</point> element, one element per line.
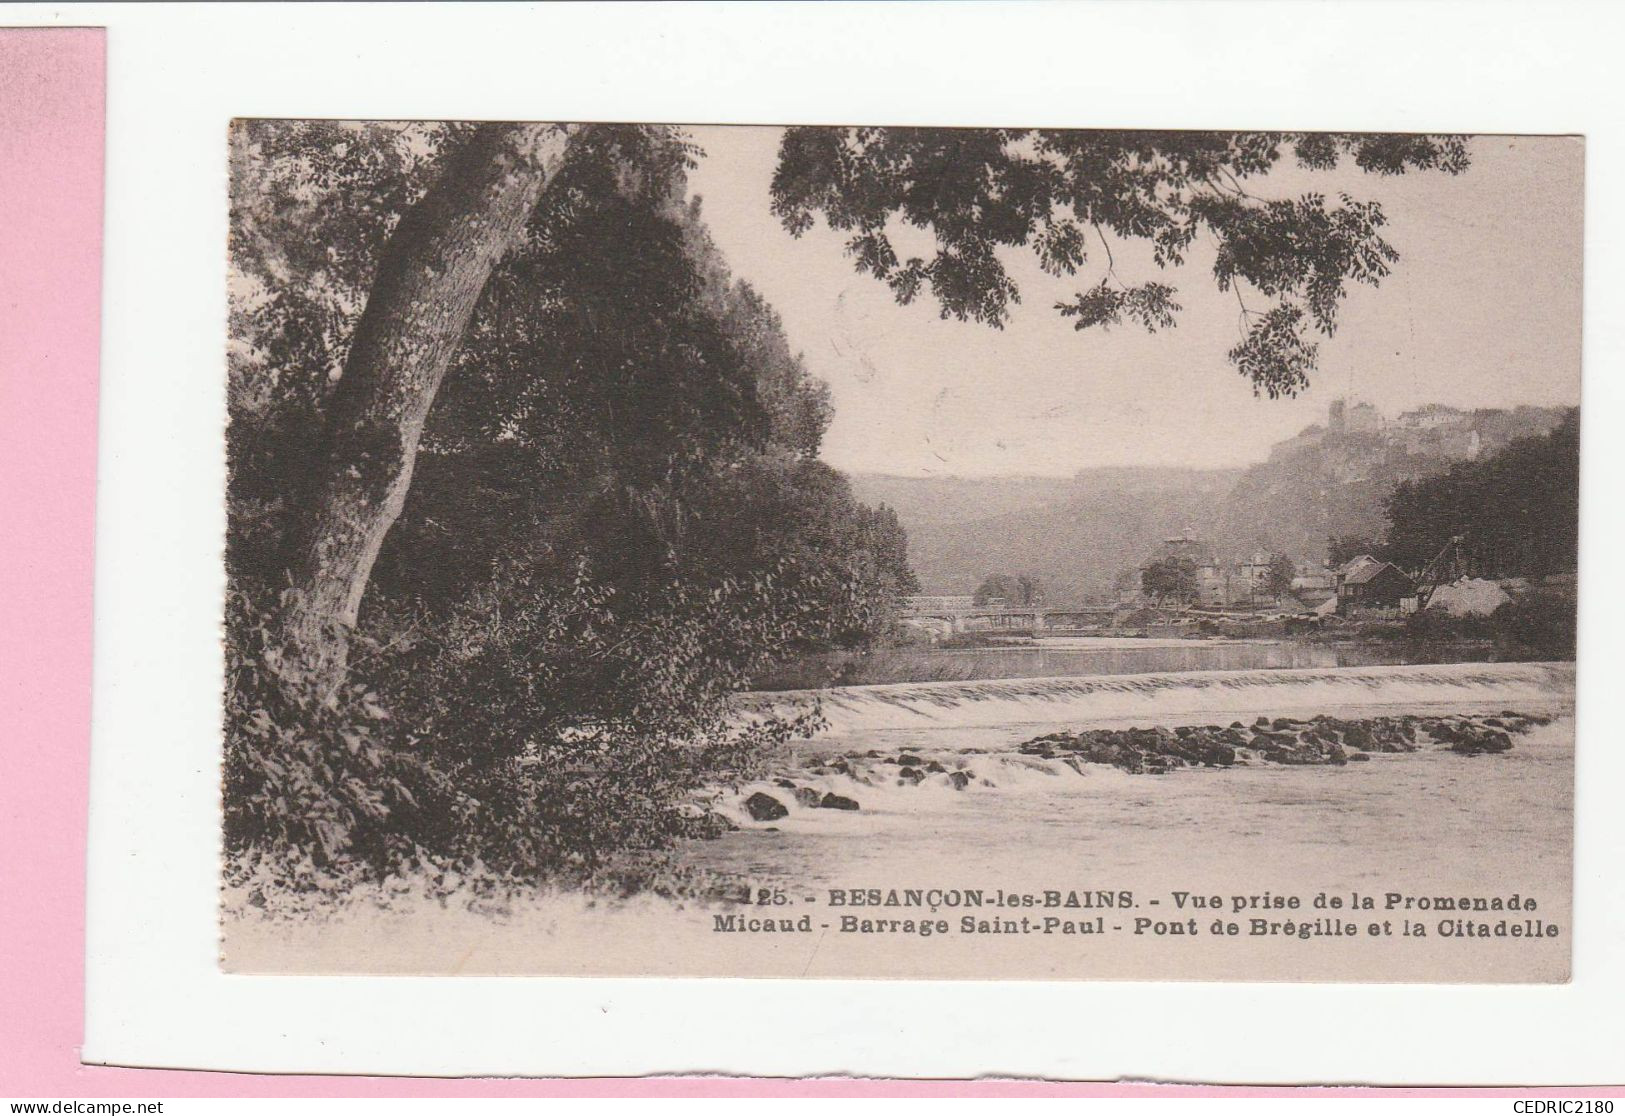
<point>429,279</point>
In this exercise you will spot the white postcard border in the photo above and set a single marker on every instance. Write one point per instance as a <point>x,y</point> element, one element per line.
<point>177,74</point>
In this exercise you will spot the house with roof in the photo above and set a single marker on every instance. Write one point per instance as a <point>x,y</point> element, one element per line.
<point>1370,583</point>
<point>1228,582</point>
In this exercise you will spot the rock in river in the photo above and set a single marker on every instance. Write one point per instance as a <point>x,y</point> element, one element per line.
<point>764,807</point>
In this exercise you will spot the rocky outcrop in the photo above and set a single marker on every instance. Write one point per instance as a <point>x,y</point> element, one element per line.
<point>1321,740</point>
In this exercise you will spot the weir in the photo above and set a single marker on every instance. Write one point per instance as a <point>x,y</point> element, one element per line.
<point>1173,697</point>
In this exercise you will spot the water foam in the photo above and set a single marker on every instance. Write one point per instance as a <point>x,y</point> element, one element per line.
<point>1172,698</point>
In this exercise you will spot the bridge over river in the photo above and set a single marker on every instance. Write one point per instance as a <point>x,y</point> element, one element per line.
<point>962,614</point>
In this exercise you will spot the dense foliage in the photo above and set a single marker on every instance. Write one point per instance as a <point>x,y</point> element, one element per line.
<point>1513,515</point>
<point>1538,623</point>
<point>978,191</point>
<point>1341,549</point>
<point>616,519</point>
<point>1171,579</point>
<point>1278,580</point>
<point>1517,511</point>
<point>1014,590</point>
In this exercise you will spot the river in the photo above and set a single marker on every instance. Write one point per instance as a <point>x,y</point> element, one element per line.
<point>1425,824</point>
<point>1417,822</point>
<point>1056,656</point>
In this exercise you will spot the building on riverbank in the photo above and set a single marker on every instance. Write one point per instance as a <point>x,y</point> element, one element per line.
<point>1218,581</point>
<point>1366,583</point>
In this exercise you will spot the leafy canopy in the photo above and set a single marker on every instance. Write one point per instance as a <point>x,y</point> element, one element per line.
<point>979,190</point>
<point>1278,581</point>
<point>1015,590</point>
<point>1517,511</point>
<point>1172,578</point>
<point>616,519</point>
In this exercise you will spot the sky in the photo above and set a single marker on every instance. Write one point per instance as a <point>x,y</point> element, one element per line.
<point>1482,310</point>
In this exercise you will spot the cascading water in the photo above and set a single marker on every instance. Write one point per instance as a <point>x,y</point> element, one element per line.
<point>1169,698</point>
<point>978,806</point>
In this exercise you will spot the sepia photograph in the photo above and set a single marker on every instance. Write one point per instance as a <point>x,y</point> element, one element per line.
<point>900,552</point>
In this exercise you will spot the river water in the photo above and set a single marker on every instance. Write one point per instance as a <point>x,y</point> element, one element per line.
<point>1428,822</point>
<point>1383,832</point>
<point>1058,656</point>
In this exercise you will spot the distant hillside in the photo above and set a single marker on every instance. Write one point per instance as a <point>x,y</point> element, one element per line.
<point>1076,534</point>
<point>923,500</point>
<point>1332,480</point>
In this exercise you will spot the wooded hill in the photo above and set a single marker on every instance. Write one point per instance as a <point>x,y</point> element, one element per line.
<point>1077,534</point>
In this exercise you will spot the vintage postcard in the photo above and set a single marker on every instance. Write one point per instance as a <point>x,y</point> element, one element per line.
<point>900,552</point>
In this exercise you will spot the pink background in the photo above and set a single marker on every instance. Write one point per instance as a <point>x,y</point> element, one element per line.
<point>52,94</point>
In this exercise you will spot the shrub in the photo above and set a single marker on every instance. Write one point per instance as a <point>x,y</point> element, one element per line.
<point>537,734</point>
<point>1435,625</point>
<point>1541,622</point>
<point>1537,623</point>
<point>316,784</point>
